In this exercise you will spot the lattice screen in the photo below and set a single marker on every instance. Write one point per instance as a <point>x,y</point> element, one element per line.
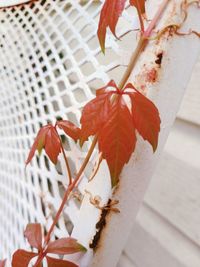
<point>50,65</point>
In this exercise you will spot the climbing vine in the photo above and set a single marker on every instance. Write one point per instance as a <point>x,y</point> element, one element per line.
<point>112,119</point>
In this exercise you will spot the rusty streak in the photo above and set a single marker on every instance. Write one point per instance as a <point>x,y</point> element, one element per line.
<point>99,227</point>
<point>159,58</point>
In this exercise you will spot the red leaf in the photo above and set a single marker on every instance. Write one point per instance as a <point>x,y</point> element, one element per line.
<point>59,263</point>
<point>52,144</point>
<point>109,117</point>
<point>117,138</point>
<point>96,112</point>
<point>2,263</point>
<point>39,143</point>
<point>70,129</point>
<point>33,233</point>
<point>21,258</point>
<point>146,117</point>
<point>110,13</point>
<point>65,246</point>
<point>48,139</point>
<point>139,4</point>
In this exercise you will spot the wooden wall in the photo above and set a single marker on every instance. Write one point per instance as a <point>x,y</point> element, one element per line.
<point>167,230</point>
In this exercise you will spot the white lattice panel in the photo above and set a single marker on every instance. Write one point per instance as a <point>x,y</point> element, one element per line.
<point>50,66</point>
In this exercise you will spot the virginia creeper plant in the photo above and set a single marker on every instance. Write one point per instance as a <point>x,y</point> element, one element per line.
<point>112,119</point>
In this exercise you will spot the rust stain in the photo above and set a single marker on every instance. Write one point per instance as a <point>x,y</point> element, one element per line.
<point>151,75</point>
<point>158,61</point>
<point>99,227</point>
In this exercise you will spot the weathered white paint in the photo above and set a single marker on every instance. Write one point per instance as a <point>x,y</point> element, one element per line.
<point>167,93</point>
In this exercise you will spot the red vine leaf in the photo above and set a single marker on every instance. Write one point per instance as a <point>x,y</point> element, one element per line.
<point>33,233</point>
<point>139,4</point>
<point>96,112</point>
<point>2,263</point>
<point>110,13</point>
<point>70,129</point>
<point>48,139</point>
<point>113,116</point>
<point>38,144</point>
<point>64,246</point>
<point>117,138</point>
<point>59,263</point>
<point>21,258</point>
<point>52,144</point>
<point>145,117</point>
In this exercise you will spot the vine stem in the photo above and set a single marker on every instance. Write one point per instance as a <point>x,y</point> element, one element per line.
<point>66,163</point>
<point>143,41</point>
<point>65,158</point>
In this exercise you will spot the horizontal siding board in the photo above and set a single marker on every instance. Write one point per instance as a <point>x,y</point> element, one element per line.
<point>154,242</point>
<point>175,193</point>
<point>125,261</point>
<point>190,107</point>
<point>184,143</point>
<point>175,188</point>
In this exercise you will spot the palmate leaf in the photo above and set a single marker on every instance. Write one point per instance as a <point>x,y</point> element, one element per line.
<point>62,246</point>
<point>48,139</point>
<point>116,125</point>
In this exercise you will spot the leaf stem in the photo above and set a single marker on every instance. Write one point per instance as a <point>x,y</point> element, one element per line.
<point>143,41</point>
<point>156,19</point>
<point>65,158</point>
<point>140,46</point>
<point>66,162</point>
